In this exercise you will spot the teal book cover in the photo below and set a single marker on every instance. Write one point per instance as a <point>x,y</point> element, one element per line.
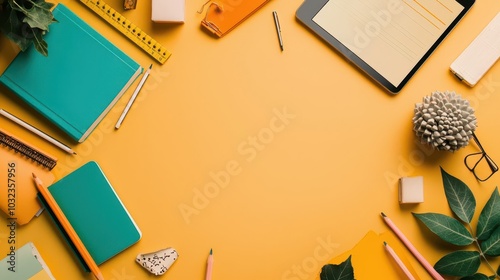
<point>95,211</point>
<point>79,81</point>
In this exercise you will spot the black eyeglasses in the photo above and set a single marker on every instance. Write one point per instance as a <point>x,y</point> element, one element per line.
<point>480,164</point>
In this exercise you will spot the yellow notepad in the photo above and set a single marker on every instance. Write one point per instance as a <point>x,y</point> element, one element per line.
<point>371,261</point>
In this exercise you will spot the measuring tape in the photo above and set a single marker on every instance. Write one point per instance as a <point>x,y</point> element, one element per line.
<point>127,28</point>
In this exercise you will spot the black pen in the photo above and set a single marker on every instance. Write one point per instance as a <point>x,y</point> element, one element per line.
<point>278,28</point>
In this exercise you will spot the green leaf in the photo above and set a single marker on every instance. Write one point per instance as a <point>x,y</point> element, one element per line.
<point>40,44</point>
<point>12,27</point>
<point>38,15</point>
<point>447,228</point>
<point>343,271</point>
<point>491,246</point>
<point>459,196</point>
<point>459,263</point>
<point>489,218</point>
<point>477,276</point>
<point>25,22</point>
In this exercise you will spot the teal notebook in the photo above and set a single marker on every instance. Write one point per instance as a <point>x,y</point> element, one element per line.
<point>95,211</point>
<point>80,80</point>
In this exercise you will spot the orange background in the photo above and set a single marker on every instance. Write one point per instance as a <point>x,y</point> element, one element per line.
<point>299,189</point>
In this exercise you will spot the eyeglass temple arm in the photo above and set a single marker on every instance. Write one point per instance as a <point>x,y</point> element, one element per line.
<point>490,162</point>
<point>477,142</point>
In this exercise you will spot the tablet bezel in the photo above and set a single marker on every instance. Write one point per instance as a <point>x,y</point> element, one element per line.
<point>308,10</point>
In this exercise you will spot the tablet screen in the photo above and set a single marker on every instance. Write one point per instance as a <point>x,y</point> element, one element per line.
<point>389,38</point>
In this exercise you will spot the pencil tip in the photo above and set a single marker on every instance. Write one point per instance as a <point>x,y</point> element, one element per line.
<point>385,243</point>
<point>150,66</point>
<point>211,251</point>
<point>383,215</point>
<point>34,176</point>
<point>74,152</point>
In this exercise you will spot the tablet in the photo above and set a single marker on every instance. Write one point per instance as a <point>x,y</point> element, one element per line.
<point>387,39</point>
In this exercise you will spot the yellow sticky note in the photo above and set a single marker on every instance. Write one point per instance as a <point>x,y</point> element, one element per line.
<point>370,260</point>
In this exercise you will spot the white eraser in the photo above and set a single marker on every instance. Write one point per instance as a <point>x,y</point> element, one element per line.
<point>168,10</point>
<point>158,262</point>
<point>411,189</point>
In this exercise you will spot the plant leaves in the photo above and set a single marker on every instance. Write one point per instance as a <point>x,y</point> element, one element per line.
<point>38,15</point>
<point>477,276</point>
<point>343,271</point>
<point>489,218</point>
<point>16,23</point>
<point>447,228</point>
<point>459,263</point>
<point>459,196</point>
<point>491,246</point>
<point>11,27</point>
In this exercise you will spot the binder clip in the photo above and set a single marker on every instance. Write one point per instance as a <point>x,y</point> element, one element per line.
<point>224,15</point>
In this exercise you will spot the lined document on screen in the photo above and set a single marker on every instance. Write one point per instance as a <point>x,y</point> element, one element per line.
<point>389,35</point>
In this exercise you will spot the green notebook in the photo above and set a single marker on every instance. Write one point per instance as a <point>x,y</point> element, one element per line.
<point>95,211</point>
<point>80,80</point>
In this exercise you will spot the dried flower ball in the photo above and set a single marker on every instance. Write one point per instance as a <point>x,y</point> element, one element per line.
<point>444,120</point>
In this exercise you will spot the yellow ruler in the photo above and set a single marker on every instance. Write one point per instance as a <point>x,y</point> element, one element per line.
<point>130,30</point>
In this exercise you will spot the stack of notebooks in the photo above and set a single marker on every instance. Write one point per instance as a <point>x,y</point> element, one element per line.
<point>80,80</point>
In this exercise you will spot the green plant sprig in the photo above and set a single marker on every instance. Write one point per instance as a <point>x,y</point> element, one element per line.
<point>459,232</point>
<point>342,271</point>
<point>25,22</point>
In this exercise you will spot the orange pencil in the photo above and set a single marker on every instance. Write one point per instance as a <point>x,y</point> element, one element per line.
<point>430,269</point>
<point>68,228</point>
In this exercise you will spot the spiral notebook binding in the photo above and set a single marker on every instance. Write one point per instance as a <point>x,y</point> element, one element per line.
<point>27,151</point>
